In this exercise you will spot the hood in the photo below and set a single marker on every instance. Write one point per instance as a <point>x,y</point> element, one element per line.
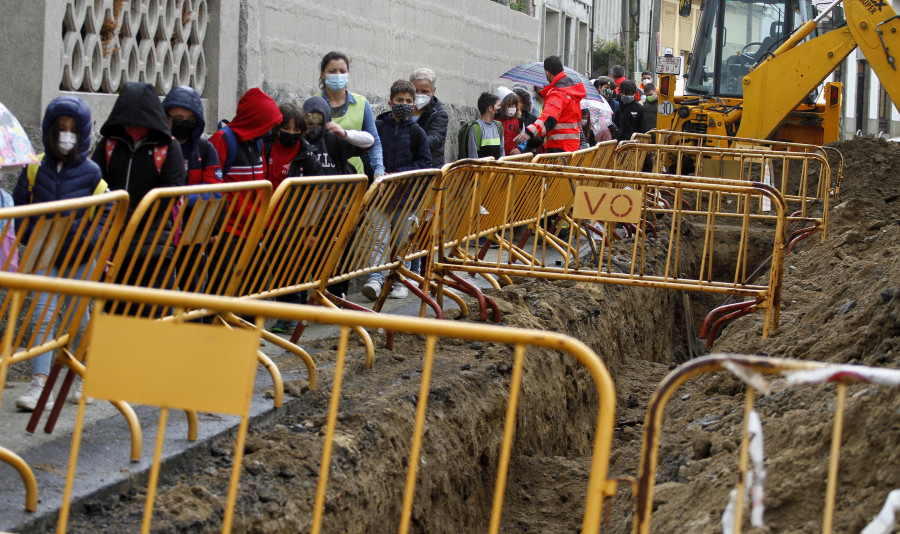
<point>256,115</point>
<point>138,105</point>
<point>317,104</point>
<point>187,98</point>
<point>566,84</point>
<point>78,110</point>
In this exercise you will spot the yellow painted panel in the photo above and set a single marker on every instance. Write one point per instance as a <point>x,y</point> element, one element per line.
<point>607,204</point>
<point>175,365</point>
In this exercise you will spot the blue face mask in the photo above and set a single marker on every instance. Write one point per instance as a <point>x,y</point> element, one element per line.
<point>336,82</point>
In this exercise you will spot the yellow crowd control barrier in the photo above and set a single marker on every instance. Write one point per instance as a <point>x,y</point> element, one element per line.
<point>724,215</point>
<point>803,178</point>
<point>393,228</point>
<point>305,232</point>
<point>66,238</point>
<point>752,370</point>
<point>161,369</point>
<point>669,137</point>
<point>598,156</point>
<point>599,487</point>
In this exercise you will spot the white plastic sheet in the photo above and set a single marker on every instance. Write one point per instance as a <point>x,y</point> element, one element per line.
<point>884,521</point>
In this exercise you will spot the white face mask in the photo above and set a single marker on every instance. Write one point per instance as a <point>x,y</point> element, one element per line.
<point>67,141</point>
<point>422,101</point>
<point>510,112</point>
<point>645,81</point>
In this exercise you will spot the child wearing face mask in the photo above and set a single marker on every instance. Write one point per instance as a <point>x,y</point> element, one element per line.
<point>405,148</point>
<point>630,116</point>
<point>512,124</point>
<point>65,172</point>
<point>651,101</point>
<point>288,154</point>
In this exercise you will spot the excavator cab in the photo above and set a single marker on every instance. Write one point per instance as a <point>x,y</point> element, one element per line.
<point>735,35</point>
<point>755,71</point>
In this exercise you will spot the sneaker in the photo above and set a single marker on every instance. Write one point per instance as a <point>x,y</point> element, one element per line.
<point>75,395</point>
<point>372,289</point>
<point>28,401</point>
<point>283,326</point>
<point>398,291</point>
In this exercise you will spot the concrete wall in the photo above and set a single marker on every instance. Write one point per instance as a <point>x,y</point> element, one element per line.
<point>278,44</point>
<point>468,44</point>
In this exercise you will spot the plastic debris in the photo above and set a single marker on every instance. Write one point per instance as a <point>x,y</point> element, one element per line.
<point>851,373</point>
<point>884,521</point>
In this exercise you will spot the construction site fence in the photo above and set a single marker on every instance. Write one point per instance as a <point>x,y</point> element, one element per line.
<point>802,178</point>
<point>669,137</point>
<point>478,198</point>
<point>755,372</point>
<point>147,379</point>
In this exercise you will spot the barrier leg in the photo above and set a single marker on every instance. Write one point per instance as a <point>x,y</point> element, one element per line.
<point>42,400</point>
<point>60,400</point>
<point>716,313</point>
<point>277,381</point>
<point>423,296</point>
<point>714,331</point>
<point>334,301</point>
<point>290,347</point>
<point>799,235</point>
<point>438,289</point>
<point>483,300</point>
<point>31,490</point>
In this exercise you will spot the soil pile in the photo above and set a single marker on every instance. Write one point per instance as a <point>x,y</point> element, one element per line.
<point>841,303</point>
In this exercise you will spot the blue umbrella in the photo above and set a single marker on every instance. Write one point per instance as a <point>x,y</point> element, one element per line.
<point>532,73</point>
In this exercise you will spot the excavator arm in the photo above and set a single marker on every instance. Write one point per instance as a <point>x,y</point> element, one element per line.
<point>777,86</point>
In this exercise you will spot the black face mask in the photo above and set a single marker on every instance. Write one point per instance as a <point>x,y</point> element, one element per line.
<point>289,139</point>
<point>182,129</point>
<point>313,133</point>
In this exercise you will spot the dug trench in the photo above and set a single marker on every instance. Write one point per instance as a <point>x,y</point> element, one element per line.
<point>640,334</point>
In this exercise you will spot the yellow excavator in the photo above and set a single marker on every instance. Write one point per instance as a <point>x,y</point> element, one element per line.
<point>757,67</point>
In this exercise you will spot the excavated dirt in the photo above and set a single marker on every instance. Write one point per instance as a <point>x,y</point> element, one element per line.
<point>841,303</point>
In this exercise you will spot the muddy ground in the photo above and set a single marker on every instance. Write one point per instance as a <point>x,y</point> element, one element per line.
<point>841,303</point>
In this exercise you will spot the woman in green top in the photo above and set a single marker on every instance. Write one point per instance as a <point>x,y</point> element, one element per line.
<point>350,111</point>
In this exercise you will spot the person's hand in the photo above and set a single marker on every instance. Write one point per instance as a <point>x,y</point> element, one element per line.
<point>379,179</point>
<point>522,138</point>
<point>336,128</point>
<point>514,152</point>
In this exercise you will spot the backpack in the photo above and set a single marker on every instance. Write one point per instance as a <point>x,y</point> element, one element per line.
<point>463,137</point>
<point>231,142</point>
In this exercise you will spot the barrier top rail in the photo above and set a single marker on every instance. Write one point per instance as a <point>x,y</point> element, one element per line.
<point>726,213</point>
<point>751,370</point>
<point>599,487</point>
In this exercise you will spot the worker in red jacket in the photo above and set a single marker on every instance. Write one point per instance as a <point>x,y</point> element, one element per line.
<point>560,122</point>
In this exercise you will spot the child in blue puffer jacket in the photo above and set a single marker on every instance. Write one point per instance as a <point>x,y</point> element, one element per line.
<point>65,172</point>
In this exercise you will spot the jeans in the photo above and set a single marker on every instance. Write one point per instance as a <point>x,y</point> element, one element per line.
<point>386,223</point>
<point>40,364</point>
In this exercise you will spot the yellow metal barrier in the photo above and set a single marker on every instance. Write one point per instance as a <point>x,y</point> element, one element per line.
<point>803,178</point>
<point>669,137</point>
<point>67,238</point>
<point>393,227</point>
<point>599,486</point>
<point>724,212</point>
<point>750,369</point>
<point>598,156</point>
<point>306,229</point>
<point>161,369</point>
